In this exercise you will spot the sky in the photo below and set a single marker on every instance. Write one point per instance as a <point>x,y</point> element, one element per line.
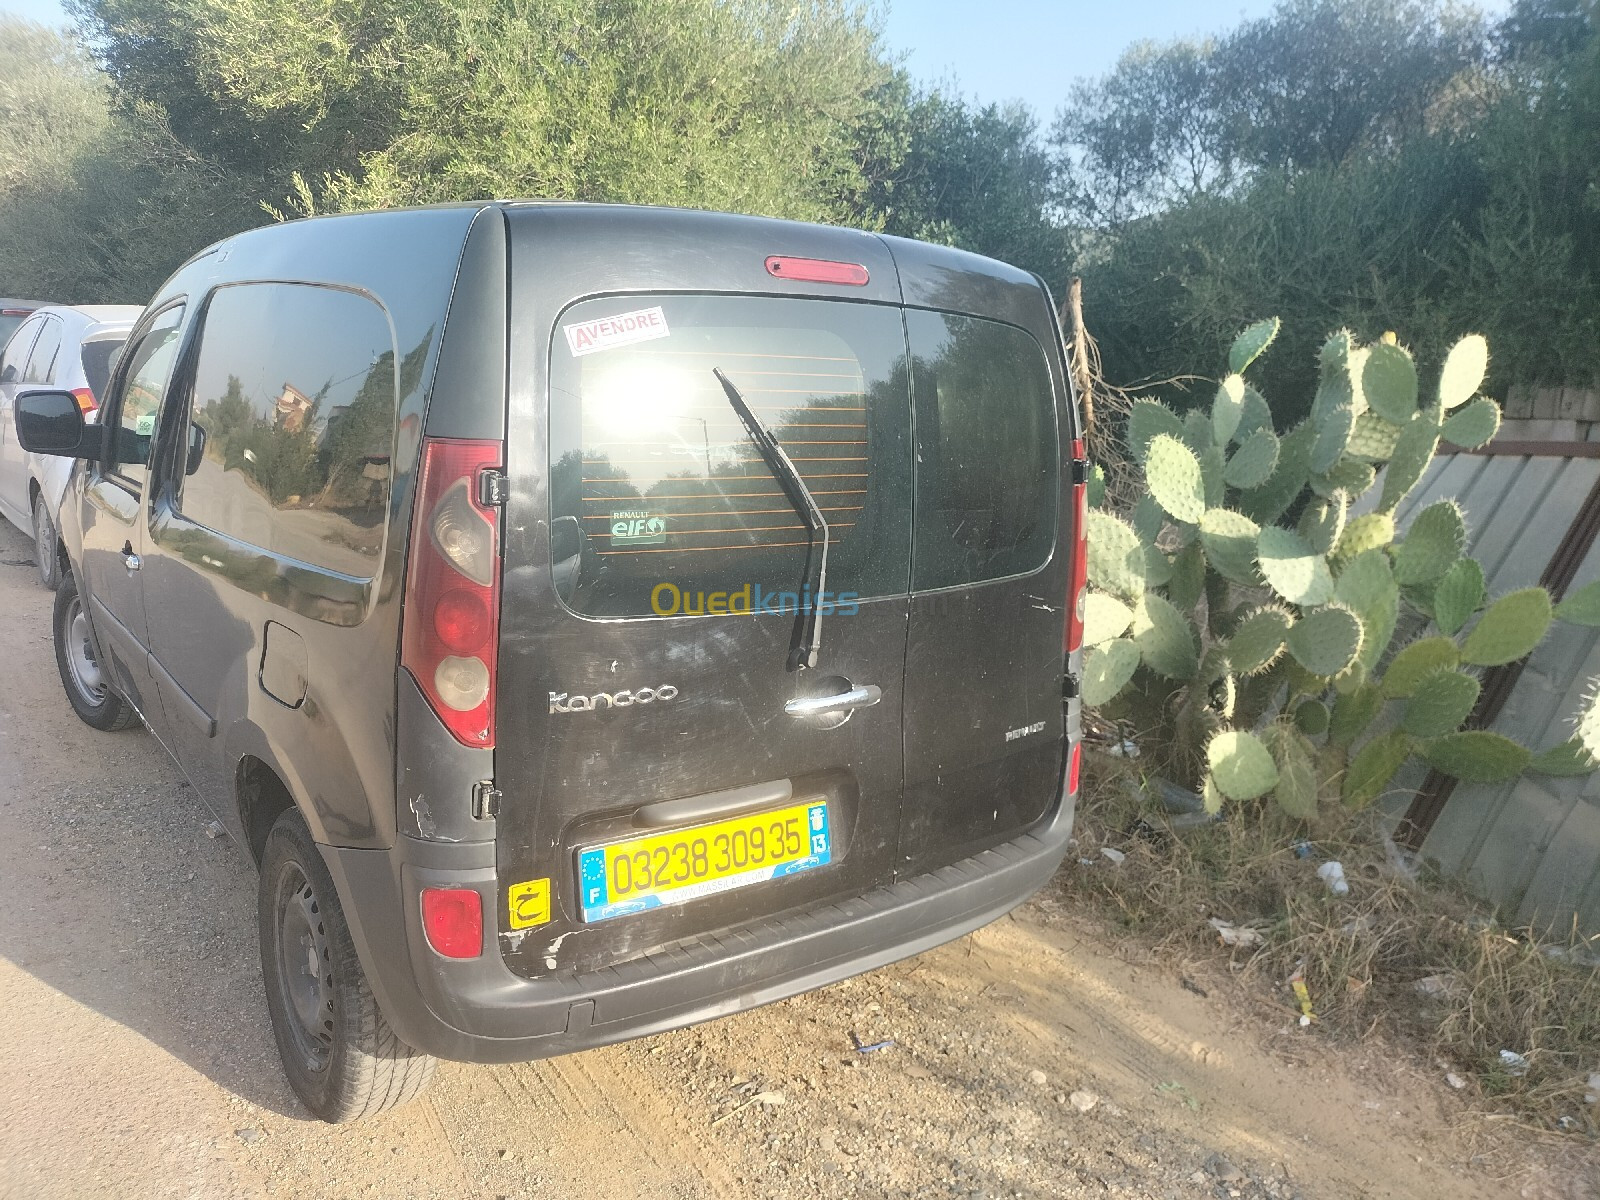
<point>999,50</point>
<point>1032,50</point>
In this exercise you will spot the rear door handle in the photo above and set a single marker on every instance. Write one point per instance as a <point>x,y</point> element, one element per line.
<point>864,696</point>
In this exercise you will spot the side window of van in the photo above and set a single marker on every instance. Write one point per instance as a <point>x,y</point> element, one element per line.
<point>292,423</point>
<point>142,390</point>
<point>661,504</point>
<point>987,488</point>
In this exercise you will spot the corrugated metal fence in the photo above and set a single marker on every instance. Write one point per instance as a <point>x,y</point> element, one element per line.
<point>1531,846</point>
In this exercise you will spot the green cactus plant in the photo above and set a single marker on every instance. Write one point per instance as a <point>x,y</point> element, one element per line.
<point>1258,640</point>
<point>1251,343</point>
<point>1432,545</point>
<point>1460,594</point>
<point>1477,756</point>
<point>1241,765</point>
<point>1322,523</point>
<point>1369,531</point>
<point>1243,620</point>
<point>1227,409</point>
<point>1416,662</point>
<point>1440,703</point>
<point>1571,757</point>
<point>1389,381</point>
<point>1104,617</point>
<point>1373,767</point>
<point>1581,607</point>
<point>1312,717</point>
<point>1509,629</point>
<point>1473,426</point>
<point>1175,479</point>
<point>1296,572</point>
<point>1295,758</point>
<point>1367,587</point>
<point>1413,453</point>
<point>1253,462</point>
<point>1146,419</point>
<point>1326,640</point>
<point>1107,669</point>
<point>1463,371</point>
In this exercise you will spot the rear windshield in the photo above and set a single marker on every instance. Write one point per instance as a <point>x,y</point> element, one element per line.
<point>661,502</point>
<point>98,357</point>
<point>9,324</point>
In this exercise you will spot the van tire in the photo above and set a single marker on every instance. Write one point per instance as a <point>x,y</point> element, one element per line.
<point>86,681</point>
<point>46,545</point>
<point>340,1055</point>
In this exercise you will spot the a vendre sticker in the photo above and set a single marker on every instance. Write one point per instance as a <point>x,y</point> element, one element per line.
<point>589,337</point>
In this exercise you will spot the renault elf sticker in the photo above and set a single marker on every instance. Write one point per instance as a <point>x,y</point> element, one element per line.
<point>606,333</point>
<point>529,903</point>
<point>632,527</point>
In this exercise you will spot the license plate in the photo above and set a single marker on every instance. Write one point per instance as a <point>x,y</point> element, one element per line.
<point>685,864</point>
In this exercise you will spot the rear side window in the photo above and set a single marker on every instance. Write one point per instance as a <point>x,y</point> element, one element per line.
<point>661,502</point>
<point>98,357</point>
<point>293,416</point>
<point>42,361</point>
<point>987,450</point>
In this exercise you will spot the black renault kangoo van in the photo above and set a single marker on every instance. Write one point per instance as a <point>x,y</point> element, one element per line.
<point>592,620</point>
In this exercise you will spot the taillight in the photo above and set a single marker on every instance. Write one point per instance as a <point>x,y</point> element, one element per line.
<point>453,920</point>
<point>817,270</point>
<point>452,604</point>
<point>1079,576</point>
<point>86,401</point>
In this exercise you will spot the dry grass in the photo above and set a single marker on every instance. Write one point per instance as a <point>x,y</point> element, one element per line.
<point>1362,955</point>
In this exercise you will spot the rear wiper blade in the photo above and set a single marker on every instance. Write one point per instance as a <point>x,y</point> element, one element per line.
<point>808,628</point>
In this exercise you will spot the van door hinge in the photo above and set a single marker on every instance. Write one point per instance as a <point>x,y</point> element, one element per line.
<point>1080,470</point>
<point>485,801</point>
<point>492,488</point>
<point>1070,687</point>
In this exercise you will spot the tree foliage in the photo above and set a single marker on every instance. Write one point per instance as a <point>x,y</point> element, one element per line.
<point>1359,164</point>
<point>967,175</point>
<point>96,205</point>
<point>1316,83</point>
<point>751,107</point>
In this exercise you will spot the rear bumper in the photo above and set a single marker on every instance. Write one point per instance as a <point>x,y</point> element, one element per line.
<point>479,1011</point>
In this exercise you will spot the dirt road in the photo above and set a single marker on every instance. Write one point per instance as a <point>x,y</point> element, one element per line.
<point>1029,1060</point>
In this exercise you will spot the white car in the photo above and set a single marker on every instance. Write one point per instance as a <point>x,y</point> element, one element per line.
<point>70,347</point>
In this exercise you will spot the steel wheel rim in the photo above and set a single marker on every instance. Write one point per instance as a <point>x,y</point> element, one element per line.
<point>85,667</point>
<point>305,971</point>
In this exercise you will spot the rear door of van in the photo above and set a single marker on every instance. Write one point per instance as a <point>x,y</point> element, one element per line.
<point>985,734</point>
<point>661,771</point>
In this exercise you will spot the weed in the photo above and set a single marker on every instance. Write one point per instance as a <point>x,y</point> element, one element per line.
<point>1413,960</point>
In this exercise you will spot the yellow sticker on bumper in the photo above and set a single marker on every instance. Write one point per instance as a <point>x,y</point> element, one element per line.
<point>530,903</point>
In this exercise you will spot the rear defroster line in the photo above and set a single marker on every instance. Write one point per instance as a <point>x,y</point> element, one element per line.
<point>807,641</point>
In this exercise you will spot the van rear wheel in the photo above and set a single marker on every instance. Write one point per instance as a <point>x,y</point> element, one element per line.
<point>82,674</point>
<point>339,1053</point>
